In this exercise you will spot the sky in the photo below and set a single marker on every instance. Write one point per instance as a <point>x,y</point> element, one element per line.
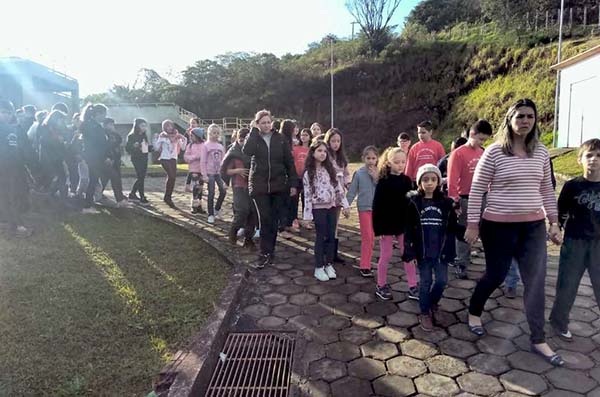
<point>102,43</point>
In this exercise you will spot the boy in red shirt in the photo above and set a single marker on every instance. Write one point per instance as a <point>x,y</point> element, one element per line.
<point>426,151</point>
<point>461,167</point>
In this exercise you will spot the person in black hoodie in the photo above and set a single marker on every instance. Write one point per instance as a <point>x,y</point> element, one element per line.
<point>235,168</point>
<point>138,148</point>
<point>272,175</point>
<point>431,229</point>
<point>52,153</point>
<point>14,190</point>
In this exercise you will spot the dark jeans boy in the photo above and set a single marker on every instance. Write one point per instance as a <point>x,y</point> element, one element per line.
<point>244,215</point>
<point>430,292</point>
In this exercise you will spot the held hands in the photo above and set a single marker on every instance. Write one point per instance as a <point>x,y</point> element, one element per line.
<point>243,172</point>
<point>472,234</point>
<point>555,234</point>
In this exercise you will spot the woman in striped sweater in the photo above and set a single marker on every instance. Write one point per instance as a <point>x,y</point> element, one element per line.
<point>515,174</point>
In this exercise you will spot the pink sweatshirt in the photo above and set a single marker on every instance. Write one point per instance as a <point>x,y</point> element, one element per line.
<point>193,156</point>
<point>212,155</point>
<point>322,195</point>
<point>519,189</point>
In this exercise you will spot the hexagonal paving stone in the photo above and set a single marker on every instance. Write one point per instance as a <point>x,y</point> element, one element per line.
<point>481,384</point>
<point>379,350</point>
<point>508,315</point>
<point>278,280</point>
<point>436,385</point>
<point>303,299</point>
<point>358,280</point>
<point>305,281</point>
<point>582,329</point>
<point>303,321</point>
<point>406,366</point>
<point>488,364</point>
<point>567,379</point>
<point>445,319</point>
<point>335,322</point>
<point>401,319</point>
<point>357,335</point>
<point>393,386</point>
<point>492,345</point>
<point>293,273</point>
<point>528,361</point>
<point>381,308</point>
<point>316,310</point>
<point>271,322</point>
<point>342,351</point>
<point>595,373</point>
<point>314,388</point>
<point>435,336</point>
<point>318,289</point>
<point>447,366</point>
<point>366,368</point>
<point>393,334</point>
<point>523,382</point>
<point>321,334</point>
<point>332,299</point>
<point>286,310</point>
<point>409,306</point>
<point>563,393</point>
<point>576,360</point>
<point>457,348</point>
<point>327,369</point>
<point>289,289</point>
<point>313,352</point>
<point>274,299</point>
<point>258,310</point>
<point>347,289</point>
<point>451,305</point>
<point>579,344</point>
<point>418,349</point>
<point>348,309</point>
<point>368,321</point>
<point>350,386</point>
<point>362,298</point>
<point>503,330</point>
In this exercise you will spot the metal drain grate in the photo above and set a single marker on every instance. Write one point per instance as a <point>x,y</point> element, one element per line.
<point>254,365</point>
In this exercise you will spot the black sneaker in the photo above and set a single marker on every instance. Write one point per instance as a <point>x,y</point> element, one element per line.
<point>460,273</point>
<point>133,197</point>
<point>169,202</point>
<point>565,335</point>
<point>143,200</point>
<point>194,210</point>
<point>262,261</point>
<point>384,293</point>
<point>413,293</point>
<point>366,273</point>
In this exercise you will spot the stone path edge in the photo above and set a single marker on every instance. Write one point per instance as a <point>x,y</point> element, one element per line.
<point>190,370</point>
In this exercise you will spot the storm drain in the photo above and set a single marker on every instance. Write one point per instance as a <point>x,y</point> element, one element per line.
<point>254,365</point>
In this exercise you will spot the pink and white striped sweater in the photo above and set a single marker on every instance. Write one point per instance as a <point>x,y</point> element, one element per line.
<point>519,189</point>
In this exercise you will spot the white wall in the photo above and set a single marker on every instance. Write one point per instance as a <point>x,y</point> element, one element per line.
<point>579,103</point>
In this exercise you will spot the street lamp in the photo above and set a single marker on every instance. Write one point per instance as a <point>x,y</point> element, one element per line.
<point>557,91</point>
<point>331,74</point>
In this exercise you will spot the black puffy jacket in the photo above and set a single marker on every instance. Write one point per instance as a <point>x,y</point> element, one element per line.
<point>271,167</point>
<point>96,147</point>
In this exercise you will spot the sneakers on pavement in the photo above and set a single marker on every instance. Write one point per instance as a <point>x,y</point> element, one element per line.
<point>330,271</point>
<point>211,219</point>
<point>366,273</point>
<point>383,293</point>
<point>460,272</point>
<point>413,293</point>
<point>262,261</point>
<point>321,274</point>
<point>426,322</point>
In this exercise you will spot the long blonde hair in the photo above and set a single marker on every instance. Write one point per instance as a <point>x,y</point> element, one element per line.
<point>383,163</point>
<point>505,135</point>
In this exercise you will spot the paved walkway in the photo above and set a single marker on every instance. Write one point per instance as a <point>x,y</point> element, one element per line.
<point>358,346</point>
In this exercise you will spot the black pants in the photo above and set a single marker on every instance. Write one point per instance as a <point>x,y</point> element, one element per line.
<point>244,215</point>
<point>270,209</point>
<point>575,257</point>
<point>526,242</point>
<point>170,167</point>
<point>325,221</point>
<point>73,168</point>
<point>140,163</point>
<point>293,208</point>
<point>112,174</point>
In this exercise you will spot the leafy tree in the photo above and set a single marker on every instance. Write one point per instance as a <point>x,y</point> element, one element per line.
<point>436,15</point>
<point>374,17</point>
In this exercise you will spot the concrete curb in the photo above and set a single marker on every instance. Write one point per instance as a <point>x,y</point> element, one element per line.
<point>190,371</point>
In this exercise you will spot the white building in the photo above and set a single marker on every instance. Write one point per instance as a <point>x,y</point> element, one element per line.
<point>579,100</point>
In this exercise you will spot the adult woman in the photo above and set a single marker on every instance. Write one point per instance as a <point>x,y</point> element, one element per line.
<point>515,173</point>
<point>272,176</point>
<point>138,148</point>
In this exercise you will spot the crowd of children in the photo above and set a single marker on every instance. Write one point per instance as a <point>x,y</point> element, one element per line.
<point>404,197</point>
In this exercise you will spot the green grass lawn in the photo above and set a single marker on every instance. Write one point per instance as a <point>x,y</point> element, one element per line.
<point>566,164</point>
<point>97,304</point>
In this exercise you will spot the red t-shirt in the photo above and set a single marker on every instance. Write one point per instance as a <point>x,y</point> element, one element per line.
<point>423,153</point>
<point>238,180</point>
<point>461,168</point>
<point>299,153</point>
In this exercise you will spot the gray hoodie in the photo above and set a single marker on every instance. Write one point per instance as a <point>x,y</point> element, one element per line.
<point>362,185</point>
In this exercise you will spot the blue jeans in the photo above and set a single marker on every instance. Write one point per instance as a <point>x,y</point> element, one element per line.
<point>513,277</point>
<point>212,180</point>
<point>431,292</point>
<point>325,221</point>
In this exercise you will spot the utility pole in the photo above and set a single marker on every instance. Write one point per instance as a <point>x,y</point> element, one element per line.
<point>331,75</point>
<point>353,23</point>
<point>557,92</point>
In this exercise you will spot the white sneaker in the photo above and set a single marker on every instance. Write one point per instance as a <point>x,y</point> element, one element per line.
<point>241,232</point>
<point>256,234</point>
<point>321,274</point>
<point>211,219</point>
<point>330,272</point>
<point>218,215</point>
<point>90,211</point>
<point>124,204</point>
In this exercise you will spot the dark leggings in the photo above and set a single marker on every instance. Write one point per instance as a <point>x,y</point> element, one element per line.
<point>270,209</point>
<point>325,221</point>
<point>170,167</point>
<point>141,167</point>
<point>526,242</point>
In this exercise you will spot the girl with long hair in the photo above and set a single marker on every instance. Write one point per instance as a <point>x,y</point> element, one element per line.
<point>138,148</point>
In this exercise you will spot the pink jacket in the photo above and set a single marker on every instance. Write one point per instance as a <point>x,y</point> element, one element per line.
<point>193,156</point>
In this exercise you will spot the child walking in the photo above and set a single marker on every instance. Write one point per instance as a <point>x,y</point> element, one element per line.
<point>390,206</point>
<point>362,186</point>
<point>579,209</point>
<point>168,144</point>
<point>299,153</point>
<point>193,156</point>
<point>212,155</point>
<point>323,196</point>
<point>431,228</point>
<point>333,139</point>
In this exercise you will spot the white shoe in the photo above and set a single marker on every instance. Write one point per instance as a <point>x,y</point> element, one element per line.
<point>124,204</point>
<point>241,232</point>
<point>211,219</point>
<point>330,272</point>
<point>321,274</point>
<point>256,234</point>
<point>90,211</point>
